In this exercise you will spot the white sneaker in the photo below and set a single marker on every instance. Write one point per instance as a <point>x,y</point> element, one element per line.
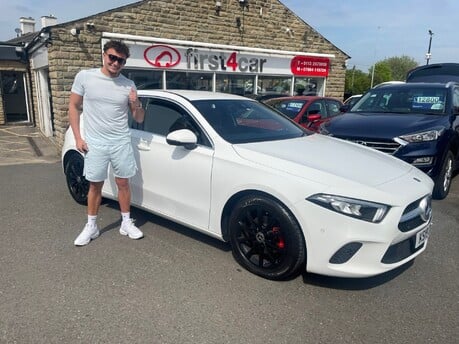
<point>88,233</point>
<point>128,228</point>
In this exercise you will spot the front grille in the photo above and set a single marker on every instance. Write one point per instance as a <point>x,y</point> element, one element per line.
<point>389,146</point>
<point>401,250</point>
<point>416,214</point>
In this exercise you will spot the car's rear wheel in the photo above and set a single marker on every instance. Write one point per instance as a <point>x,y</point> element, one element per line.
<point>443,181</point>
<point>76,182</point>
<point>266,238</point>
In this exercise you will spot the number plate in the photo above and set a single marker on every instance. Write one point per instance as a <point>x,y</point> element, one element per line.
<point>422,236</point>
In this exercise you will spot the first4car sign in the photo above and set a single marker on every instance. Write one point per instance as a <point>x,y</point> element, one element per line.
<point>194,59</point>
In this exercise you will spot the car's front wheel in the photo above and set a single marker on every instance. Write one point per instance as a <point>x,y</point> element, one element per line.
<point>443,181</point>
<point>266,238</point>
<point>76,182</point>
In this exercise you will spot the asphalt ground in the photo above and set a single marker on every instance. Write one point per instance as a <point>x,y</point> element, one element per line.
<point>179,286</point>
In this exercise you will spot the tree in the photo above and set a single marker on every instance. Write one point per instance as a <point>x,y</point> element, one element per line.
<point>393,68</point>
<point>381,73</point>
<point>400,66</point>
<point>357,82</point>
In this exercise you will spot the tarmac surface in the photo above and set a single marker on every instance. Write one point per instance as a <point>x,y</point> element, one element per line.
<point>23,144</point>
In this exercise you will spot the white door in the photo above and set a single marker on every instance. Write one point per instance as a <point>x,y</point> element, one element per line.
<point>44,108</point>
<point>171,180</point>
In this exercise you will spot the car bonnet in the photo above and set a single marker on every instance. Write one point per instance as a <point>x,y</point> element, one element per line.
<point>325,160</point>
<point>382,126</point>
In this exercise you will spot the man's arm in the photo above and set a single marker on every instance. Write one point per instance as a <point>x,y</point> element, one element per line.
<point>75,107</point>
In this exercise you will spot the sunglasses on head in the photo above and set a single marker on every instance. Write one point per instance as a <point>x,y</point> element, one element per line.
<point>114,58</point>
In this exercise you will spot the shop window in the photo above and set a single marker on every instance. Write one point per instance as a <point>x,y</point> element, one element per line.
<point>307,86</point>
<point>235,84</point>
<point>145,79</point>
<point>274,84</point>
<point>189,81</point>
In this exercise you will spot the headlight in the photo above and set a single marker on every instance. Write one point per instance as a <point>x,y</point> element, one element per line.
<point>430,135</point>
<point>363,210</point>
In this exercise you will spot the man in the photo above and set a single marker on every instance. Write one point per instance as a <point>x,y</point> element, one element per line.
<point>104,96</point>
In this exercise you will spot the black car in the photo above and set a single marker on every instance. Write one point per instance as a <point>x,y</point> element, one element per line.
<point>416,122</point>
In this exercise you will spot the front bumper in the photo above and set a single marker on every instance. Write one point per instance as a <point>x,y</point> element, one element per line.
<point>338,245</point>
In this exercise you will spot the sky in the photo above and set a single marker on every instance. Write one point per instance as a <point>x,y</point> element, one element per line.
<point>367,30</point>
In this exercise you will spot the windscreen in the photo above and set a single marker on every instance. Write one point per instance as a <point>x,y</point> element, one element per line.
<point>243,121</point>
<point>403,100</point>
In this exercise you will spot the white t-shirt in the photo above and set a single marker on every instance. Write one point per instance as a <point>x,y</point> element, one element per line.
<point>105,106</point>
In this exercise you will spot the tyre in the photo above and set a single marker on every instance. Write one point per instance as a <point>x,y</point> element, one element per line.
<point>443,181</point>
<point>266,239</point>
<point>76,182</point>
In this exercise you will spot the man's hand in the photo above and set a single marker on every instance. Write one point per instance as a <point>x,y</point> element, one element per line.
<point>81,145</point>
<point>133,97</point>
<point>136,106</point>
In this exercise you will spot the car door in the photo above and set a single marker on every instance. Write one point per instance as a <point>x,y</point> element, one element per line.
<point>326,108</point>
<point>172,181</point>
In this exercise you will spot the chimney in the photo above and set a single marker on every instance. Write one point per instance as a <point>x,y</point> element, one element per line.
<point>27,25</point>
<point>48,21</point>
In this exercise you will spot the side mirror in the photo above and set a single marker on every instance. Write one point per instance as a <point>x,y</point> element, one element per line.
<point>345,108</point>
<point>183,137</point>
<point>314,118</point>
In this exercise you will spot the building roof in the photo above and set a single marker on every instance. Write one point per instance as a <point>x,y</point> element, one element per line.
<point>23,39</point>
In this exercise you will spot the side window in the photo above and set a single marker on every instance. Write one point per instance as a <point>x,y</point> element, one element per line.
<point>163,117</point>
<point>315,109</point>
<point>159,117</point>
<point>333,107</point>
<point>456,100</point>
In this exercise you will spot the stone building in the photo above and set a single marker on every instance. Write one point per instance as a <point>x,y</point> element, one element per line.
<point>237,46</point>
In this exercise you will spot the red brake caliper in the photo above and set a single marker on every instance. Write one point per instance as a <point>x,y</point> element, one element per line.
<point>279,239</point>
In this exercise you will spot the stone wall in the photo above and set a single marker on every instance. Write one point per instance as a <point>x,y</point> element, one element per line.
<point>263,25</point>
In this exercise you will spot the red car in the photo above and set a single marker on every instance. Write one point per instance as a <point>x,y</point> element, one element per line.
<point>309,111</point>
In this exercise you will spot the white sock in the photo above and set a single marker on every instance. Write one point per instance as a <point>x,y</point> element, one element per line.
<point>125,216</point>
<point>92,220</point>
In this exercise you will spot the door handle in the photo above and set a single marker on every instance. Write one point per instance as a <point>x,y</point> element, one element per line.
<point>143,145</point>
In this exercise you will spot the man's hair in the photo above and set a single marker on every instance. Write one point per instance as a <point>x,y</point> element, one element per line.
<point>119,47</point>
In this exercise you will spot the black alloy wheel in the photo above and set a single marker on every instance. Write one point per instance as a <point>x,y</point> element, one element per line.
<point>76,182</point>
<point>443,181</point>
<point>266,239</point>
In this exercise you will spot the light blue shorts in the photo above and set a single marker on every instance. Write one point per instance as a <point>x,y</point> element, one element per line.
<point>99,157</point>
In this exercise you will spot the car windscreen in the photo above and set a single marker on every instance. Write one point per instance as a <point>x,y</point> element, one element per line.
<point>288,107</point>
<point>403,100</point>
<point>244,121</point>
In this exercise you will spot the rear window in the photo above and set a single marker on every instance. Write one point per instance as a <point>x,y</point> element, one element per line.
<point>290,108</point>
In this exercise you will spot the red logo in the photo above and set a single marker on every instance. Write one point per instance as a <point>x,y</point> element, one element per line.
<point>162,56</point>
<point>310,66</point>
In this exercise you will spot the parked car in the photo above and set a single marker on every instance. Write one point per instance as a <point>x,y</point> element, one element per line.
<point>393,82</point>
<point>235,169</point>
<point>350,102</point>
<point>308,111</point>
<point>416,122</point>
<point>263,97</point>
<point>437,72</point>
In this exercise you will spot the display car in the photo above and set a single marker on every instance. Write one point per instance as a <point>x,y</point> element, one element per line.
<point>308,111</point>
<point>287,199</point>
<point>416,122</point>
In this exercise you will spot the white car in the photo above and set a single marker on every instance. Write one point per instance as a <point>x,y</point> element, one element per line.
<point>287,199</point>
